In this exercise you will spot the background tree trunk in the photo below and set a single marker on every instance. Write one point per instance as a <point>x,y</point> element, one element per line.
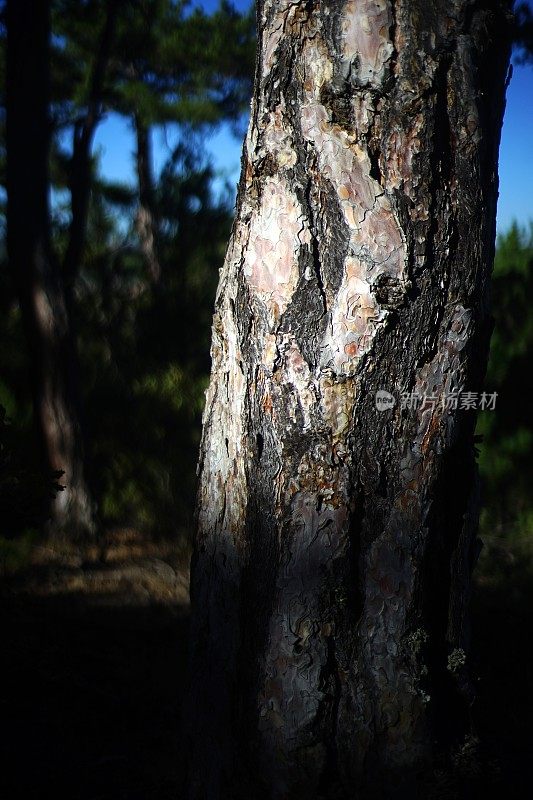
<point>36,272</point>
<point>335,543</point>
<point>80,179</point>
<point>147,224</point>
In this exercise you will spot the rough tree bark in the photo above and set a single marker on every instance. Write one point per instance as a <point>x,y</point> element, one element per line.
<point>36,273</point>
<point>331,572</point>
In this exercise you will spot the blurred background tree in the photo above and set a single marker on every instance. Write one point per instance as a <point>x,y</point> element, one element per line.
<point>25,496</point>
<point>131,271</point>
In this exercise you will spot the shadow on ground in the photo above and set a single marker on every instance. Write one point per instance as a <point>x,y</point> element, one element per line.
<point>502,660</point>
<point>94,656</point>
<point>93,680</point>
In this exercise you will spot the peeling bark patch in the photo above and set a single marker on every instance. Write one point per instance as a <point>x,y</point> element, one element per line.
<point>338,400</point>
<point>365,40</point>
<point>376,244</point>
<point>277,233</point>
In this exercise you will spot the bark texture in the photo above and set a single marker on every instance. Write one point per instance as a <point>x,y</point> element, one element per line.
<point>37,275</point>
<point>332,563</point>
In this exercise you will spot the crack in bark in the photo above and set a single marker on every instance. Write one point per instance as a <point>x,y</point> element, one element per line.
<point>315,247</point>
<point>330,683</point>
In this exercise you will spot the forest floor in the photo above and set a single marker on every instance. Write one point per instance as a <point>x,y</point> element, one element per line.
<point>94,646</point>
<point>94,650</point>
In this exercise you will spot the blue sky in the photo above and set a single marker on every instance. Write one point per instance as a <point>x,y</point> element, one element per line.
<point>516,151</point>
<point>114,141</point>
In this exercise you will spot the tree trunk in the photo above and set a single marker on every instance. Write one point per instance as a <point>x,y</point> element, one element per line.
<point>36,273</point>
<point>146,222</point>
<point>80,180</point>
<point>332,563</point>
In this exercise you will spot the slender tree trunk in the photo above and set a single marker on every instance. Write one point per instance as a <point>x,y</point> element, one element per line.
<point>83,135</point>
<point>36,273</point>
<point>146,222</point>
<point>332,564</point>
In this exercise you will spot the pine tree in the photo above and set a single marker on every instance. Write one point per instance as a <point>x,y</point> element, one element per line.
<point>331,573</point>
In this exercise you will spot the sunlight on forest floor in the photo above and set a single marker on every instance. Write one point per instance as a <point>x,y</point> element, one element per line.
<point>125,570</point>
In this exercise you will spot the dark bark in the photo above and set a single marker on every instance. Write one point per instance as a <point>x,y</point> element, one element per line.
<point>35,271</point>
<point>147,220</point>
<point>83,135</point>
<point>331,571</point>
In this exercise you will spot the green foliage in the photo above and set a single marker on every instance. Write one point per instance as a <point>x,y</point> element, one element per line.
<point>523,32</point>
<point>15,554</point>
<point>506,459</point>
<point>169,63</point>
<point>144,351</point>
<point>25,493</point>
<point>143,348</point>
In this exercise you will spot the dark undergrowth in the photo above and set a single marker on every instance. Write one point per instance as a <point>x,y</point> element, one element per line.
<point>502,659</point>
<point>94,658</point>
